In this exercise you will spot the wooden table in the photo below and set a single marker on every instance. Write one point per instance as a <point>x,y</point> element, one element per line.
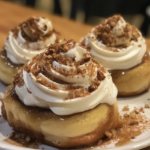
<point>11,15</point>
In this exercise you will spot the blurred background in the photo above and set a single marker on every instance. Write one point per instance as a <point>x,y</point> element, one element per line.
<point>136,12</point>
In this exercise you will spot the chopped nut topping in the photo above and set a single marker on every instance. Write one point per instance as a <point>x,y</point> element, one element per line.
<point>126,108</point>
<point>53,60</point>
<point>104,33</point>
<point>18,78</point>
<point>133,122</point>
<point>129,127</point>
<point>137,111</point>
<point>92,88</point>
<point>100,76</point>
<point>108,134</point>
<point>114,134</point>
<point>126,116</point>
<point>147,105</point>
<point>132,115</point>
<point>22,140</point>
<point>141,109</point>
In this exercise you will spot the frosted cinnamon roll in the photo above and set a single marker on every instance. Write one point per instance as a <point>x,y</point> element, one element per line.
<point>24,42</point>
<point>122,50</point>
<point>72,94</point>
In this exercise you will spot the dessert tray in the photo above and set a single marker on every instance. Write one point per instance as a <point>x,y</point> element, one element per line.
<point>139,142</point>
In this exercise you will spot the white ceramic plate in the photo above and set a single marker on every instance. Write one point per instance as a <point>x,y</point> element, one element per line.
<point>139,142</point>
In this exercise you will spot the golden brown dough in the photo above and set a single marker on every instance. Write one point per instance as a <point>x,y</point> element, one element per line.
<point>81,129</point>
<point>7,68</point>
<point>133,81</point>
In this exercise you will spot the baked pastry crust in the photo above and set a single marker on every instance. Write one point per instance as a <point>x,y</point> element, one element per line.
<point>135,80</point>
<point>7,68</point>
<point>81,129</point>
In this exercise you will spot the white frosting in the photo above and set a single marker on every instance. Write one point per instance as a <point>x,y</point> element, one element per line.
<point>124,58</point>
<point>43,96</point>
<point>19,51</point>
<point>118,31</point>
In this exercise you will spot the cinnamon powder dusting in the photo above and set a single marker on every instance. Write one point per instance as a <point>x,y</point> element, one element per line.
<point>103,33</point>
<point>22,140</point>
<point>31,32</point>
<point>18,78</point>
<point>147,105</point>
<point>130,125</point>
<point>125,108</point>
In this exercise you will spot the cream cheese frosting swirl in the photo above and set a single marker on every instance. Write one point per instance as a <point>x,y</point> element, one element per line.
<point>65,79</point>
<point>28,39</point>
<point>116,44</point>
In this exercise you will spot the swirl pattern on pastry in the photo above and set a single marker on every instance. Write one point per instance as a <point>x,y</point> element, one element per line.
<point>116,44</point>
<point>65,79</point>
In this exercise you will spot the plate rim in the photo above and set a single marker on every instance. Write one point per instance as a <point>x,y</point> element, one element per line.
<point>138,145</point>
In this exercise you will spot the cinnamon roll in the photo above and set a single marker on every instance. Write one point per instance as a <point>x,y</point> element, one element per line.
<point>122,50</point>
<point>24,42</point>
<point>62,97</point>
